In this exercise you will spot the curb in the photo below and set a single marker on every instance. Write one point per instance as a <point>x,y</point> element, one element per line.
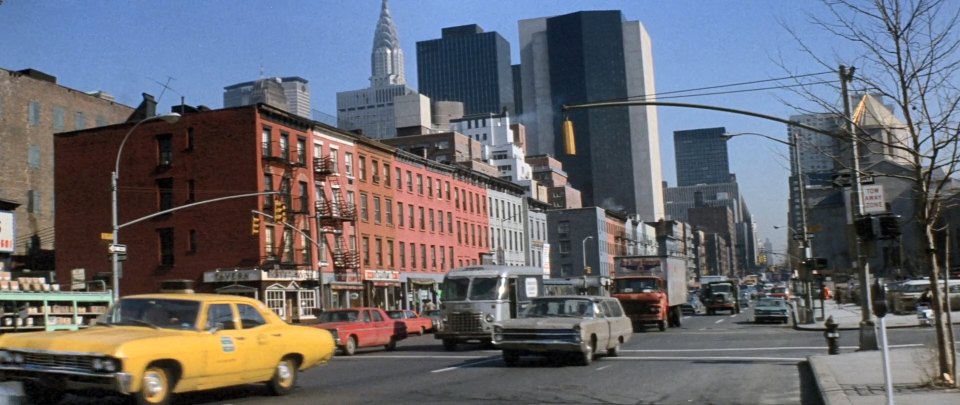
<point>830,391</point>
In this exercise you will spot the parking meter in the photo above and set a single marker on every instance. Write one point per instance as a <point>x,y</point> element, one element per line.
<point>879,299</point>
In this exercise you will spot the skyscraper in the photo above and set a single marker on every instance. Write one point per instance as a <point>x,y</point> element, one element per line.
<point>467,65</point>
<point>370,110</point>
<point>592,56</point>
<point>701,156</point>
<point>291,94</point>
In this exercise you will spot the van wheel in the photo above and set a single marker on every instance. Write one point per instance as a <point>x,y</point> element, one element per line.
<point>449,345</point>
<point>511,358</point>
<point>284,377</point>
<point>662,325</point>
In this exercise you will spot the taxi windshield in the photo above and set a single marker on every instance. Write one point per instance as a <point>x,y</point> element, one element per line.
<point>154,313</point>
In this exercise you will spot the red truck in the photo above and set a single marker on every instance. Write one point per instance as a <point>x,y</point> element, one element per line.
<point>651,289</point>
<point>354,328</point>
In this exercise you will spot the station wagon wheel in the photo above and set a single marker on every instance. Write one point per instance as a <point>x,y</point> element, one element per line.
<point>351,347</point>
<point>614,351</point>
<point>422,331</point>
<point>154,386</point>
<point>449,345</point>
<point>284,377</point>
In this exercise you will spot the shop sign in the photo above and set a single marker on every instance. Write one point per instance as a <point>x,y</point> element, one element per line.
<point>231,276</point>
<point>286,274</point>
<point>381,275</point>
<point>8,227</point>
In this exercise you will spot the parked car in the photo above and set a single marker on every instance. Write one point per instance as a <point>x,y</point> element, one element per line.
<point>771,309</point>
<point>153,346</point>
<point>577,326</point>
<point>909,293</point>
<point>415,323</point>
<point>361,327</point>
<point>435,317</point>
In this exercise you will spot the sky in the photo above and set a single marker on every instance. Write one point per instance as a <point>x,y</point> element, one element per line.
<point>193,49</point>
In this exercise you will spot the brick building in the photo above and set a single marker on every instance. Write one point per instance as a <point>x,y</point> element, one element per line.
<point>32,108</point>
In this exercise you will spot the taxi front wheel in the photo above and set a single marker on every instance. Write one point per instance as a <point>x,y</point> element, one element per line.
<point>284,377</point>
<point>155,386</point>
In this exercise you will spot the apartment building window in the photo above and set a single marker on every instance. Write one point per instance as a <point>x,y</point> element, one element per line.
<point>413,255</point>
<point>439,190</point>
<point>563,229</point>
<point>471,201</point>
<point>348,163</point>
<point>79,120</point>
<point>268,235</point>
<point>165,149</point>
<point>322,248</point>
<point>409,181</point>
<point>265,135</point>
<point>386,175</point>
<point>390,254</point>
<point>304,200</point>
<point>33,156</point>
<point>376,210</point>
<point>423,256</point>
<point>33,116</point>
<point>363,207</point>
<point>410,217</point>
<point>398,179</point>
<point>400,213</point>
<point>192,241</point>
<point>451,256</point>
<point>440,220</point>
<point>564,247</point>
<point>268,184</point>
<point>378,250</point>
<point>33,201</point>
<point>429,186</point>
<point>403,254</point>
<point>301,151</point>
<point>335,160</point>
<point>443,260</point>
<point>165,194</point>
<point>165,235</point>
<point>362,167</point>
<point>287,245</point>
<point>447,187</point>
<point>423,221</point>
<point>58,118</point>
<point>459,239</point>
<point>284,146</point>
<point>433,228</point>
<point>449,222</point>
<point>366,250</point>
<point>419,184</point>
<point>389,208</point>
<point>191,190</point>
<point>433,256</point>
<point>375,171</point>
<point>190,138</point>
<point>456,198</point>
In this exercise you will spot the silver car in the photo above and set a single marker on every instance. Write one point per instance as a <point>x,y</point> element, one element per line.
<point>577,327</point>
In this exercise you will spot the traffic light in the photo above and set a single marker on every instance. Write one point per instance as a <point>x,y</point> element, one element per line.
<point>255,229</point>
<point>279,212</point>
<point>866,229</point>
<point>889,226</point>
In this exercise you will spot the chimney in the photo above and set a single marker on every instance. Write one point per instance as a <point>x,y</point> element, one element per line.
<point>146,109</point>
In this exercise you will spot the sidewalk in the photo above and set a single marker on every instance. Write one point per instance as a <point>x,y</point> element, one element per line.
<point>857,377</point>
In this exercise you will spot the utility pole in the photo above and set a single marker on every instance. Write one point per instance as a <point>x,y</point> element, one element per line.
<point>868,337</point>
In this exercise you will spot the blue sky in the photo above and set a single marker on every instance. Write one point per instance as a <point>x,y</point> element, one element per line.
<point>130,47</point>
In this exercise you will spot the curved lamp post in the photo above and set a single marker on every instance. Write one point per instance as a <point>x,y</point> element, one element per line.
<point>114,177</point>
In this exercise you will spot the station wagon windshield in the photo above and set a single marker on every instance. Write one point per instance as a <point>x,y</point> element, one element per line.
<point>562,307</point>
<point>156,313</point>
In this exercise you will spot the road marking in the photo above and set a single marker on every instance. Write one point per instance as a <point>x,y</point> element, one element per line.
<point>719,321</point>
<point>601,368</point>
<point>733,315</point>
<point>707,358</point>
<point>442,370</point>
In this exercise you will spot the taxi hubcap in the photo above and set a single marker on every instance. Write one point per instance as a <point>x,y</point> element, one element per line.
<point>283,370</point>
<point>153,384</point>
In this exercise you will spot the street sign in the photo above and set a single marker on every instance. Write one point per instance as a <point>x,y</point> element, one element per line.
<point>873,200</point>
<point>841,180</point>
<point>118,248</point>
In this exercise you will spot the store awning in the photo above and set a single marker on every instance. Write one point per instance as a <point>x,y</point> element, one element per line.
<point>422,281</point>
<point>346,286</point>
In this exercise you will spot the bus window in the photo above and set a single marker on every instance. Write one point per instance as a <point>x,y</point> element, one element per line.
<point>455,289</point>
<point>485,289</point>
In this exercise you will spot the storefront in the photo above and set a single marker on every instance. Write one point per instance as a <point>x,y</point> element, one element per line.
<point>282,290</point>
<point>418,288</point>
<point>383,288</point>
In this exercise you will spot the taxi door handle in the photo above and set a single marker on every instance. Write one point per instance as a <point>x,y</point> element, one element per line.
<point>240,338</point>
<point>277,334</point>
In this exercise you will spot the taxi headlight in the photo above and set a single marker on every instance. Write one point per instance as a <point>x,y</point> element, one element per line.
<point>5,356</point>
<point>111,365</point>
<point>18,358</point>
<point>489,318</point>
<point>97,364</point>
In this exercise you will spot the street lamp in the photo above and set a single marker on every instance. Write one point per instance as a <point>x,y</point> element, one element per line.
<point>584,252</point>
<point>115,250</point>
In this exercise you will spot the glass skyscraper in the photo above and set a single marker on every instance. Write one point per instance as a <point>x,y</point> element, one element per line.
<point>701,156</point>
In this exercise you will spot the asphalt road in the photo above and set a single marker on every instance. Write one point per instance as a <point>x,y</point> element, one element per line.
<point>719,359</point>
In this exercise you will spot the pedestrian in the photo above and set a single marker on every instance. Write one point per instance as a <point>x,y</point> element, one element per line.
<point>429,305</point>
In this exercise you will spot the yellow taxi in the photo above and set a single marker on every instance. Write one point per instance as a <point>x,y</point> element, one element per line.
<point>153,346</point>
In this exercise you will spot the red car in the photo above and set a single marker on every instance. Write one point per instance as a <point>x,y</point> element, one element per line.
<point>415,323</point>
<point>354,328</point>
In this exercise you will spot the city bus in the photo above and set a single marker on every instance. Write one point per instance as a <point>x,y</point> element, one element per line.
<point>476,297</point>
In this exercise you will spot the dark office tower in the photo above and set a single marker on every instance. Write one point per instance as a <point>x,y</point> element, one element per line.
<point>586,57</point>
<point>701,156</point>
<point>469,66</point>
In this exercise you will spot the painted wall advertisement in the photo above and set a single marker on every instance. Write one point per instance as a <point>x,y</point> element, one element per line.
<point>7,232</point>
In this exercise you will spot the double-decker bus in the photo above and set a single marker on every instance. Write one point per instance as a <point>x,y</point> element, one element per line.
<point>476,297</point>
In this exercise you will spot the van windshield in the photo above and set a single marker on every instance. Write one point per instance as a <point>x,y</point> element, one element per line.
<point>474,289</point>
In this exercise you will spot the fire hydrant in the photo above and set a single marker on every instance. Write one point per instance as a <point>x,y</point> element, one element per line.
<point>833,336</point>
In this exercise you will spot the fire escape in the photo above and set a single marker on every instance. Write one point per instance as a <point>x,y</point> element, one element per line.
<point>282,254</point>
<point>332,213</point>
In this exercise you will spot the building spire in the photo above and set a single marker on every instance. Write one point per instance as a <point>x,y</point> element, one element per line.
<point>387,57</point>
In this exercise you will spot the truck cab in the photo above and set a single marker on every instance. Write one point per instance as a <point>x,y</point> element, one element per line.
<point>721,296</point>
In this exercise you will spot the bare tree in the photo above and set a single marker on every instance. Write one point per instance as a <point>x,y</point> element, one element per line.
<point>909,53</point>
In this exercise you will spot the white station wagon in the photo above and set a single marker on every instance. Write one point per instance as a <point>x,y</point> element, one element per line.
<point>576,327</point>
